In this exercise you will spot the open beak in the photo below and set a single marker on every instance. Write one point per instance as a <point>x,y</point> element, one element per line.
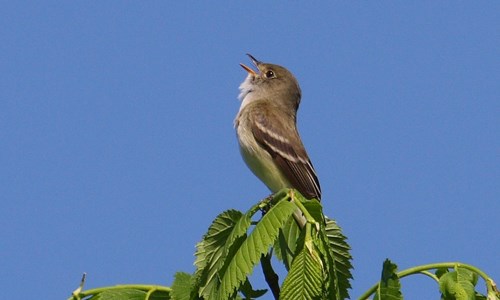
<point>250,70</point>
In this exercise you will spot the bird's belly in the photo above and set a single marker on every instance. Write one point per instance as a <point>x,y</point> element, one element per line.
<point>262,165</point>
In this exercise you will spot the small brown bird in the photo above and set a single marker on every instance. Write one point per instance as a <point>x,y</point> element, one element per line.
<point>266,126</point>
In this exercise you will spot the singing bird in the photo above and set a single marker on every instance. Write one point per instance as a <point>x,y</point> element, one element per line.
<point>266,127</point>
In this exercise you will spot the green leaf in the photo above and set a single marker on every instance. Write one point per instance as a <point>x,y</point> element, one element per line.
<point>440,272</point>
<point>181,287</point>
<point>458,284</point>
<point>285,246</point>
<point>331,244</point>
<point>122,294</point>
<point>246,256</point>
<point>129,294</point>
<point>314,208</point>
<point>227,231</point>
<point>331,286</point>
<point>342,257</point>
<point>159,295</point>
<point>216,237</point>
<point>304,281</point>
<point>389,286</point>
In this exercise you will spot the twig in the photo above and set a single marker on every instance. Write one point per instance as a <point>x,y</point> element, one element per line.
<point>271,277</point>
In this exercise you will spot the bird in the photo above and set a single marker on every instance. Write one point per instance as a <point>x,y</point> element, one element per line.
<point>266,128</point>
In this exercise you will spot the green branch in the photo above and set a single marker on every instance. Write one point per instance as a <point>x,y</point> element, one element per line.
<point>141,287</point>
<point>424,269</point>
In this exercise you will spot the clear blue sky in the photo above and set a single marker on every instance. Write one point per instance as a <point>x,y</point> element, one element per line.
<point>118,149</point>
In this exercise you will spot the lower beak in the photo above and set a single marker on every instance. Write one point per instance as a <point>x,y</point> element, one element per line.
<point>248,69</point>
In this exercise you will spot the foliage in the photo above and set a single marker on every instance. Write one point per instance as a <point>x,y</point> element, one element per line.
<point>316,256</point>
<point>457,281</point>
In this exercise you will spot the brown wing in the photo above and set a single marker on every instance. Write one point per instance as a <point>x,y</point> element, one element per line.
<point>288,152</point>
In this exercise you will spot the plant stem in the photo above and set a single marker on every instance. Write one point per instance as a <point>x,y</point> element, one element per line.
<point>142,287</point>
<point>306,213</point>
<point>423,269</point>
<point>270,276</point>
<point>429,274</point>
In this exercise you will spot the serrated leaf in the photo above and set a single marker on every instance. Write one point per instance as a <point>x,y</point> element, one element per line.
<point>331,285</point>
<point>215,238</point>
<point>130,294</point>
<point>285,246</point>
<point>389,286</point>
<point>248,254</point>
<point>304,281</point>
<point>458,284</point>
<point>120,294</point>
<point>228,230</point>
<point>342,257</point>
<point>181,287</point>
<point>465,275</point>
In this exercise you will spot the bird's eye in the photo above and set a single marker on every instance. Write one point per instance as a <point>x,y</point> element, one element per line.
<point>270,74</point>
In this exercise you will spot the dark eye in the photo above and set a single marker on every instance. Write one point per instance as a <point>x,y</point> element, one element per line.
<point>270,74</point>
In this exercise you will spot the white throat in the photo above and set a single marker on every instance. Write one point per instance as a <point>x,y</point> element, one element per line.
<point>248,93</point>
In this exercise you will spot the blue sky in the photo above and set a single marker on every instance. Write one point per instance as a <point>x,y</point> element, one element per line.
<point>118,149</point>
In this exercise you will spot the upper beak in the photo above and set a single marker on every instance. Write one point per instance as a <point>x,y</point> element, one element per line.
<point>248,69</point>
